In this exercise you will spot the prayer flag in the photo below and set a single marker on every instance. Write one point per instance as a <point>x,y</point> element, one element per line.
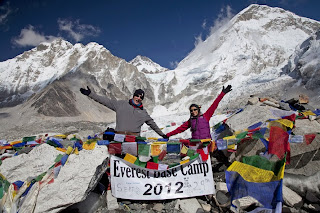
<point>130,158</point>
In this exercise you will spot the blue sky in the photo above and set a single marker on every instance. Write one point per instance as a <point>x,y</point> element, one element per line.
<point>163,30</point>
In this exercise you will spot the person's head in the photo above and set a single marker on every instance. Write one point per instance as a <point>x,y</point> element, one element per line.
<point>138,96</point>
<point>194,110</point>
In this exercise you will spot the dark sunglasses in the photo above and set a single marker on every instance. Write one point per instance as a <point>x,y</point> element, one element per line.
<point>191,110</point>
<point>140,96</point>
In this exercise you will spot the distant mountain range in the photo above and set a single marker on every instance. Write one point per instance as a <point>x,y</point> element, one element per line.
<point>261,50</point>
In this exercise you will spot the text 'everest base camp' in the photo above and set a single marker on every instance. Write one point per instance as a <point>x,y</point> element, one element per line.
<point>62,151</point>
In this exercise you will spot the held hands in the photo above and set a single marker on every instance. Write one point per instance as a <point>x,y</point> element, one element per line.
<point>85,91</point>
<point>227,89</point>
<point>165,136</point>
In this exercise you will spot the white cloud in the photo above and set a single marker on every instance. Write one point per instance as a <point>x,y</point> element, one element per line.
<point>173,64</point>
<point>198,39</point>
<point>204,24</point>
<point>77,31</point>
<point>5,11</point>
<point>224,16</point>
<point>30,37</point>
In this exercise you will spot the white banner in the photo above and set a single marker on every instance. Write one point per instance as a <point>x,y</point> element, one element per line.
<point>137,183</point>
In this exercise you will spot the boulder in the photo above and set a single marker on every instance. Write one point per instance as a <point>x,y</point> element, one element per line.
<point>190,205</point>
<point>291,198</point>
<point>28,166</point>
<point>77,178</point>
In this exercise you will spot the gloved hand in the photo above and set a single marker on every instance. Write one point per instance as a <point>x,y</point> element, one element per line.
<point>165,136</point>
<point>226,90</point>
<point>85,91</point>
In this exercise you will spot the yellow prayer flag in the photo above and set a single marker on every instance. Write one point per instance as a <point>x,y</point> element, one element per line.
<point>152,138</point>
<point>155,149</point>
<point>76,151</point>
<point>309,112</point>
<point>69,150</point>
<point>278,124</point>
<point>15,142</point>
<point>61,136</point>
<point>205,140</point>
<point>185,161</point>
<point>229,137</point>
<point>237,132</point>
<point>254,174</point>
<point>61,149</point>
<point>159,142</point>
<point>89,146</point>
<point>130,158</point>
<point>232,146</point>
<point>286,123</point>
<point>184,150</point>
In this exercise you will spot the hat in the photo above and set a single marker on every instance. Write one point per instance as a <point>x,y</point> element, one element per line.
<point>139,92</point>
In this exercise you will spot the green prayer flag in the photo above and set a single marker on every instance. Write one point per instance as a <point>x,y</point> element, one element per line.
<point>217,125</point>
<point>264,163</point>
<point>155,159</point>
<point>190,152</point>
<point>194,156</point>
<point>6,185</point>
<point>58,158</point>
<point>31,138</point>
<point>242,135</point>
<point>1,192</point>
<point>257,135</point>
<point>139,163</point>
<point>173,165</point>
<point>143,149</point>
<point>40,176</point>
<point>51,143</point>
<point>195,140</point>
<point>138,138</point>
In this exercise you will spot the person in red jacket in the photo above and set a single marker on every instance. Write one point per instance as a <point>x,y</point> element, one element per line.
<point>199,123</point>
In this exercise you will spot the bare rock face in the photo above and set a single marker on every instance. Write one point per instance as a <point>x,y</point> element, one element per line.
<point>57,100</point>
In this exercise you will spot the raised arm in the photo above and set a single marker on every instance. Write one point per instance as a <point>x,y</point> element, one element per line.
<point>208,114</point>
<point>111,104</point>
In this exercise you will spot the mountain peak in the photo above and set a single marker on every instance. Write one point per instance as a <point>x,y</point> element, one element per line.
<point>146,65</point>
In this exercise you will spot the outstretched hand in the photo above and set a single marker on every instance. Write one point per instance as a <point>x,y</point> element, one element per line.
<point>85,91</point>
<point>227,89</point>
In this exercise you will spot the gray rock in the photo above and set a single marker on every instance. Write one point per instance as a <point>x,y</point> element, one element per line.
<point>111,201</point>
<point>91,204</point>
<point>222,198</point>
<point>303,184</point>
<point>253,100</point>
<point>312,197</point>
<point>189,205</point>
<point>291,198</point>
<point>313,207</point>
<point>158,207</point>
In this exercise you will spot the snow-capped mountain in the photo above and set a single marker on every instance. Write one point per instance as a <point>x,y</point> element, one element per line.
<point>146,65</point>
<point>247,52</point>
<point>304,64</point>
<point>252,52</point>
<point>32,71</point>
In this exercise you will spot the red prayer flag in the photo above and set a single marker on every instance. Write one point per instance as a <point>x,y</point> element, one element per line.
<point>278,143</point>
<point>130,138</point>
<point>290,117</point>
<point>162,155</point>
<point>309,138</point>
<point>204,156</point>
<point>152,165</point>
<point>115,148</point>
